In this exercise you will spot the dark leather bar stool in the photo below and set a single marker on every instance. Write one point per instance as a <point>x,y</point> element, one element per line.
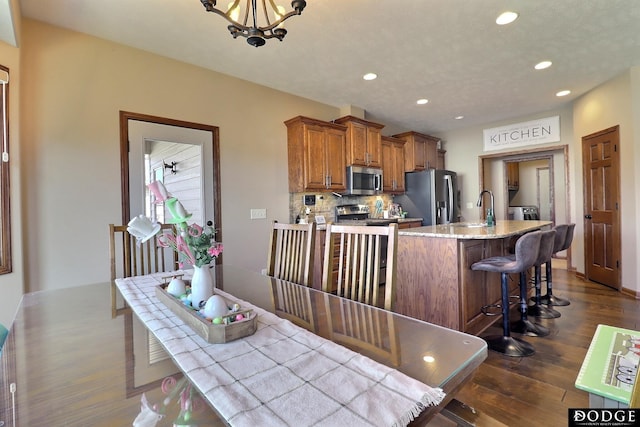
<point>549,298</point>
<point>527,248</point>
<point>524,325</point>
<point>547,243</point>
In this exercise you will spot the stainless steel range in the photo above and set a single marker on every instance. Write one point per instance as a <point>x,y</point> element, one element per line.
<point>520,213</point>
<point>359,215</point>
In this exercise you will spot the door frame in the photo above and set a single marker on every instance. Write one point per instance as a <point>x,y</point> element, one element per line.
<point>617,216</point>
<point>527,155</point>
<point>125,117</point>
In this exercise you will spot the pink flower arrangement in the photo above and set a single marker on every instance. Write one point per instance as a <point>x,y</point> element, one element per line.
<point>195,245</point>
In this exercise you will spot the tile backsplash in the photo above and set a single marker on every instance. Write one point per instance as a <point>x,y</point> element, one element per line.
<point>327,202</point>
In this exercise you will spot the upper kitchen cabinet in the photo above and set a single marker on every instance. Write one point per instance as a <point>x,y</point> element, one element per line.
<point>513,175</point>
<point>393,165</point>
<point>364,146</point>
<point>420,151</point>
<point>316,152</point>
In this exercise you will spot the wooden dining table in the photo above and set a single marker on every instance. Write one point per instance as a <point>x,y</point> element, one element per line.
<point>67,361</point>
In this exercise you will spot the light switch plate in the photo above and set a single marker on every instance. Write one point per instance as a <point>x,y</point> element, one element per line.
<point>258,214</point>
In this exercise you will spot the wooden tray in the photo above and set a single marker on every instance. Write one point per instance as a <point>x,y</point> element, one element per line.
<point>212,333</point>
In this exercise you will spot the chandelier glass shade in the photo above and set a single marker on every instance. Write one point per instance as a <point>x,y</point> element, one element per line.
<point>256,20</point>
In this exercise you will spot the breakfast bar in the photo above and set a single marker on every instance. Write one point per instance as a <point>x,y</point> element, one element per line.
<point>435,282</point>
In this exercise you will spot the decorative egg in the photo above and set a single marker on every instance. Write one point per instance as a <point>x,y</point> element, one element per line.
<point>176,287</point>
<point>215,306</point>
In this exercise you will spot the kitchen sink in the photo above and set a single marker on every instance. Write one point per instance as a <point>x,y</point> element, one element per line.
<point>469,224</point>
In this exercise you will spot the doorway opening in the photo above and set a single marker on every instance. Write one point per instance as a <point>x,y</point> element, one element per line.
<point>179,143</point>
<point>537,177</point>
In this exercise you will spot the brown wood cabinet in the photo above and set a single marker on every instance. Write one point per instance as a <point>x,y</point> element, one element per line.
<point>513,175</point>
<point>393,165</point>
<point>420,151</point>
<point>410,224</point>
<point>363,143</point>
<point>316,151</point>
<point>436,283</point>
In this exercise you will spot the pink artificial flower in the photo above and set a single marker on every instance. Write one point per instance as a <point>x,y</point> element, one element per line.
<point>195,230</point>
<point>216,250</point>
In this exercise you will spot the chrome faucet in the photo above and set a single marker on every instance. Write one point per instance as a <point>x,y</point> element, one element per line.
<point>491,213</point>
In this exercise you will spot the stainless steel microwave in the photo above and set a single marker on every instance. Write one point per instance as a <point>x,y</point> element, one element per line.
<point>363,181</point>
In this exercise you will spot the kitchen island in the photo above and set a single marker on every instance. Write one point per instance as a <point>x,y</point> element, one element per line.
<point>435,282</point>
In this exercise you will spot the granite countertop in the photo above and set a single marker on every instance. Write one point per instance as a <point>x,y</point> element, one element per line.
<point>361,222</point>
<point>474,230</point>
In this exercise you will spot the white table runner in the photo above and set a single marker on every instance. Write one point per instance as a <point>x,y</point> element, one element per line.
<point>282,375</point>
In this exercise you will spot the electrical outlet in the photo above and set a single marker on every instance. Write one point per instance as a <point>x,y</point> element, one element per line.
<point>258,214</point>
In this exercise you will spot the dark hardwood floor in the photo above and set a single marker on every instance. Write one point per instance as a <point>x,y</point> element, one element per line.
<point>538,390</point>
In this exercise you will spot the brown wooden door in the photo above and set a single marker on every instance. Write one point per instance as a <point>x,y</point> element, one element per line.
<point>601,170</point>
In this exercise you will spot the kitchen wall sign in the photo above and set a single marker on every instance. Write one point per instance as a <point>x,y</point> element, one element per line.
<point>540,131</point>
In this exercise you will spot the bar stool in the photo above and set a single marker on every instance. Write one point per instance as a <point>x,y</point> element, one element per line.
<point>524,325</point>
<point>527,248</point>
<point>547,243</point>
<point>549,298</point>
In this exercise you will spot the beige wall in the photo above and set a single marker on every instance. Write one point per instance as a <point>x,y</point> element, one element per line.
<point>74,86</point>
<point>11,284</point>
<point>466,145</point>
<point>613,103</point>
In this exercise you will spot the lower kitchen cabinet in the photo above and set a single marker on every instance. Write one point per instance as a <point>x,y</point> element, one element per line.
<point>409,224</point>
<point>435,282</point>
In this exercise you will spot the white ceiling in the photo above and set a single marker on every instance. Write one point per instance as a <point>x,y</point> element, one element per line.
<point>449,51</point>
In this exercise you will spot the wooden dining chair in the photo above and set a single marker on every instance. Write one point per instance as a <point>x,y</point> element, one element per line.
<point>363,328</point>
<point>128,258</point>
<point>292,301</point>
<point>291,248</point>
<point>353,261</point>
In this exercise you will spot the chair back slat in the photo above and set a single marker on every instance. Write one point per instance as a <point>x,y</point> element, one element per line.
<point>291,251</point>
<point>293,302</point>
<point>352,264</point>
<point>363,328</point>
<point>128,258</point>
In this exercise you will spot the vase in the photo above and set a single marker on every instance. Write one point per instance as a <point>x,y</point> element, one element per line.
<point>201,286</point>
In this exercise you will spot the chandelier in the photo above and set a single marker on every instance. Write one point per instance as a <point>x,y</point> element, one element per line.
<point>265,12</point>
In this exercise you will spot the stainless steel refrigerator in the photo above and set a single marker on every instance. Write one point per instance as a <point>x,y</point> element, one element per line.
<point>431,195</point>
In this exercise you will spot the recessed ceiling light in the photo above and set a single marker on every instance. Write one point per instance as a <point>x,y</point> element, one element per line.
<point>429,359</point>
<point>563,93</point>
<point>542,65</point>
<point>459,117</point>
<point>422,101</point>
<point>506,18</point>
<point>370,76</point>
